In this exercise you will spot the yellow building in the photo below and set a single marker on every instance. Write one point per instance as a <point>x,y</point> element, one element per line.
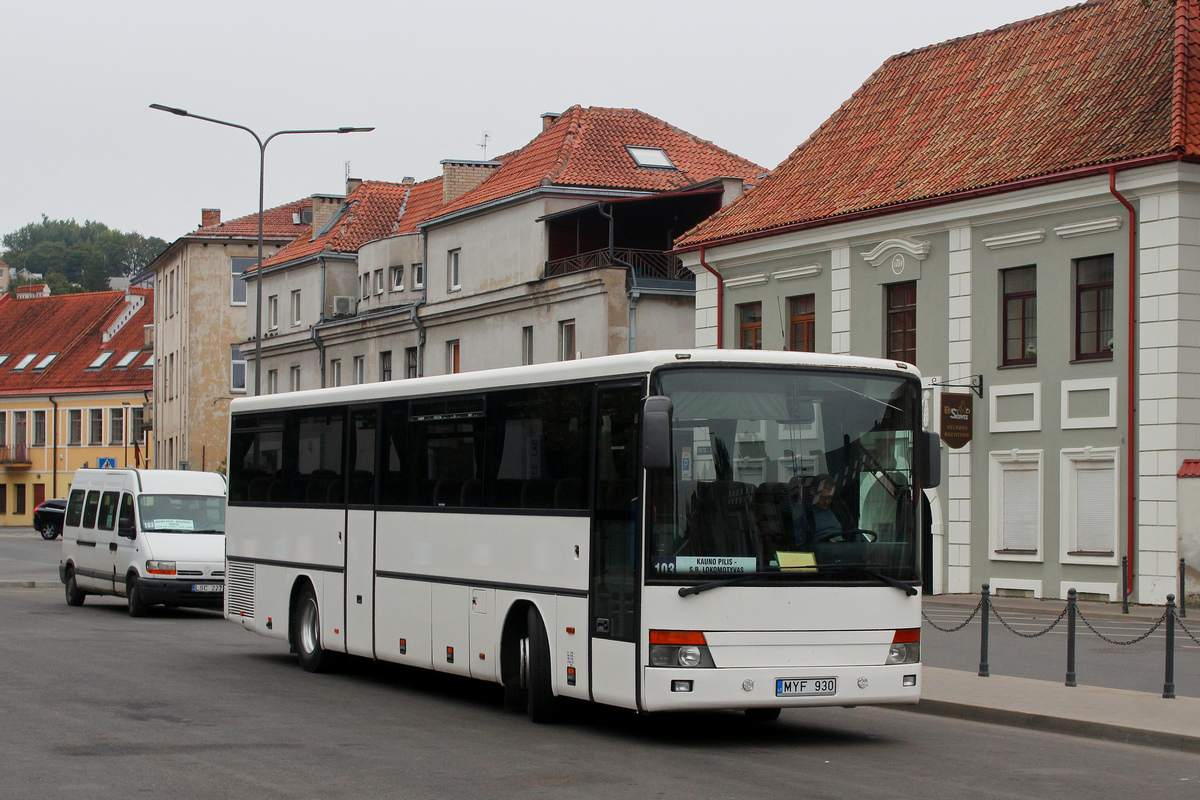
<point>76,374</point>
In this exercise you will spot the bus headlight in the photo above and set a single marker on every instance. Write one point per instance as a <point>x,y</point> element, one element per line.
<point>679,649</point>
<point>906,647</point>
<point>160,567</point>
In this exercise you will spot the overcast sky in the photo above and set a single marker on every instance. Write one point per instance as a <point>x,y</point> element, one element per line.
<point>77,139</point>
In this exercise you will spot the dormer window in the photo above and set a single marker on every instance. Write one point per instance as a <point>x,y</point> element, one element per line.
<point>101,359</point>
<point>24,362</point>
<point>4,357</point>
<point>654,157</point>
<point>149,362</point>
<point>45,362</point>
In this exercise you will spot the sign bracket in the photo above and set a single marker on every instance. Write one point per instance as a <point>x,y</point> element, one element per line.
<point>972,382</point>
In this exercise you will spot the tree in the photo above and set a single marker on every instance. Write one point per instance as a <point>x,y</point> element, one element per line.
<point>87,254</point>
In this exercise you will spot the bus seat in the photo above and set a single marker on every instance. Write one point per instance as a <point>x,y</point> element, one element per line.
<point>275,491</point>
<point>316,491</point>
<point>506,493</point>
<point>447,492</point>
<point>257,493</point>
<point>472,494</point>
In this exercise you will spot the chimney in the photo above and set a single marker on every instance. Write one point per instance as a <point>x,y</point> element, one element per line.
<point>324,206</point>
<point>352,184</point>
<point>460,177</point>
<point>210,217</point>
<point>549,119</point>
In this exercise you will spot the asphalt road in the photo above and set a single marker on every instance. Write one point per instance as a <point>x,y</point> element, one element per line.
<point>97,704</point>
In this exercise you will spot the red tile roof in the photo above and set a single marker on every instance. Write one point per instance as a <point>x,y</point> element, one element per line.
<point>278,223</point>
<point>372,211</point>
<point>1190,468</point>
<point>1094,84</point>
<point>73,326</point>
<point>585,147</point>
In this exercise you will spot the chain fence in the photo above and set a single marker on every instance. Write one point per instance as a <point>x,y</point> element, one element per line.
<point>1170,618</point>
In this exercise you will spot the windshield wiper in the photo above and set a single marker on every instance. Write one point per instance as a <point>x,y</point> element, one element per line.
<point>704,587</point>
<point>869,569</point>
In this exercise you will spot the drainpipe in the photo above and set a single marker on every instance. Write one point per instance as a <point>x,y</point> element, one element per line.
<point>54,434</point>
<point>316,334</point>
<point>416,319</point>
<point>720,299</point>
<point>1131,387</point>
<point>633,295</point>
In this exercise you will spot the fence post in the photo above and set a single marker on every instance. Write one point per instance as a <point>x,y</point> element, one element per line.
<point>1182,588</point>
<point>1071,600</point>
<point>1169,678</point>
<point>985,602</point>
<point>1124,584</point>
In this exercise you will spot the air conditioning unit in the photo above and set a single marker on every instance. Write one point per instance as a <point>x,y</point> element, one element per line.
<point>343,306</point>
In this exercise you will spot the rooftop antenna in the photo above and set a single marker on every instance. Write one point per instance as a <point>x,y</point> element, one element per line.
<point>483,144</point>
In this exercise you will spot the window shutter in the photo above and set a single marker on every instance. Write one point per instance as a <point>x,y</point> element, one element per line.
<point>1022,510</point>
<point>1095,520</point>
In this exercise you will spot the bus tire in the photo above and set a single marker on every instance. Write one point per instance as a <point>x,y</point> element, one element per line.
<point>542,705</point>
<point>137,603</point>
<point>307,639</point>
<point>75,595</point>
<point>762,714</point>
<point>516,675</point>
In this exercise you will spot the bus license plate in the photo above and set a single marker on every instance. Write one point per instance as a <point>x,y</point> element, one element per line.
<point>803,687</point>
<point>208,587</point>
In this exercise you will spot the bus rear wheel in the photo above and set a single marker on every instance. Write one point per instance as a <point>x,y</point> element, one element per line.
<point>542,706</point>
<point>307,633</point>
<point>75,595</point>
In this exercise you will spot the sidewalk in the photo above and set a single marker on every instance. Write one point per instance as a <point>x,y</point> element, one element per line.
<point>1095,712</point>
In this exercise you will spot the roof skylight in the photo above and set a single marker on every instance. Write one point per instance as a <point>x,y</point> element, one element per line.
<point>127,359</point>
<point>45,362</point>
<point>24,362</point>
<point>650,157</point>
<point>100,359</point>
<point>4,357</point>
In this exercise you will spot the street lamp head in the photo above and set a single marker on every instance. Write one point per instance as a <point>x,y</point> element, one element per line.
<point>355,130</point>
<point>169,109</point>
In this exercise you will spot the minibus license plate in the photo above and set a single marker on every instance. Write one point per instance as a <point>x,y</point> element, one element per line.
<point>801,687</point>
<point>208,587</point>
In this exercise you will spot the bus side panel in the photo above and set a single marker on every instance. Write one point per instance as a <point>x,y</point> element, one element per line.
<point>485,636</point>
<point>332,598</point>
<point>360,582</point>
<point>571,662</point>
<point>614,667</point>
<point>451,628</point>
<point>403,610</point>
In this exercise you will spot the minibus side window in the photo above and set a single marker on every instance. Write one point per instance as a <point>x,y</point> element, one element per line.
<point>89,509</point>
<point>75,508</point>
<point>108,510</point>
<point>127,509</point>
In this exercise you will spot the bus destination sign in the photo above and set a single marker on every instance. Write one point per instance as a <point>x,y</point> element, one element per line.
<point>704,565</point>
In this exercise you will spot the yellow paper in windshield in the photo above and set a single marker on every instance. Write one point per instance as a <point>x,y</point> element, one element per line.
<point>796,562</point>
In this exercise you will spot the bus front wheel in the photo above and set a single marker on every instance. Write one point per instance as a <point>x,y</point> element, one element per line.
<point>307,632</point>
<point>542,706</point>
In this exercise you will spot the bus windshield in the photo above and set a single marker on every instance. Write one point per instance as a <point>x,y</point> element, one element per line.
<point>804,474</point>
<point>182,513</point>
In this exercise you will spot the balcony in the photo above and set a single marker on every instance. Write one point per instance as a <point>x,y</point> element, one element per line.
<point>654,264</point>
<point>15,456</point>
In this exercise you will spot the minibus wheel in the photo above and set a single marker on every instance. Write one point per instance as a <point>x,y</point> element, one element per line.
<point>137,603</point>
<point>75,595</point>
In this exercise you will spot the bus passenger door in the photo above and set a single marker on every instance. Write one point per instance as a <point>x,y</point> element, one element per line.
<point>360,531</point>
<point>614,557</point>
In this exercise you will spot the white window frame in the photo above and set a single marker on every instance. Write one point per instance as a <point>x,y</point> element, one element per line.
<point>418,274</point>
<point>116,425</point>
<point>236,359</point>
<point>75,427</point>
<point>272,312</point>
<point>272,381</point>
<point>294,379</point>
<point>360,369</point>
<point>335,372</point>
<point>398,278</point>
<point>235,278</point>
<point>385,365</point>
<point>1071,462</point>
<point>379,281</point>
<point>296,308</point>
<point>453,270</point>
<point>999,463</point>
<point>94,439</point>
<point>568,345</point>
<point>527,345</point>
<point>37,429</point>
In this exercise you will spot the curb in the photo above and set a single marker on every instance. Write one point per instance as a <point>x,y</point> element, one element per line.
<point>29,584</point>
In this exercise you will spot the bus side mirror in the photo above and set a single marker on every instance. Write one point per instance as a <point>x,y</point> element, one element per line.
<point>125,528</point>
<point>656,432</point>
<point>933,460</point>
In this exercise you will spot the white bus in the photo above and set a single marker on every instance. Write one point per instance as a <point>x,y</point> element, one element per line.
<point>657,531</point>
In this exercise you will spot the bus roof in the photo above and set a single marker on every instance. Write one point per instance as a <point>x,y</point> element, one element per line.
<point>600,367</point>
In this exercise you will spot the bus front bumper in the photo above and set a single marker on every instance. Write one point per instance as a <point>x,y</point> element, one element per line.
<point>677,689</point>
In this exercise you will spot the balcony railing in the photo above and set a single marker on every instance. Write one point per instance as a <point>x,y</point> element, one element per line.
<point>645,263</point>
<point>14,454</point>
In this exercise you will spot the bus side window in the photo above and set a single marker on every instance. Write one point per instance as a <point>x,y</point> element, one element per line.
<point>90,506</point>
<point>108,510</point>
<point>75,508</point>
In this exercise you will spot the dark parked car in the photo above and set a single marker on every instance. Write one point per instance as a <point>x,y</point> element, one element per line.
<point>48,518</point>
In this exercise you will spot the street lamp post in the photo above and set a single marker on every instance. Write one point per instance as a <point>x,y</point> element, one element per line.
<point>262,158</point>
